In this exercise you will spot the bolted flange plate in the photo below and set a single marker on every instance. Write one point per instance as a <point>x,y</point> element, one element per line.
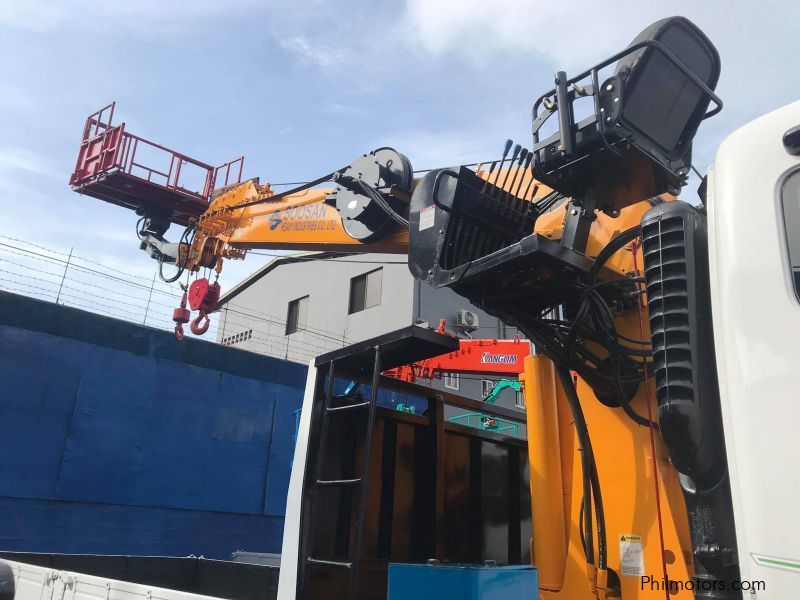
<point>364,219</point>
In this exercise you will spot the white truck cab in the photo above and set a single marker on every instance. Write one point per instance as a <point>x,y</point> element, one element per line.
<point>754,254</point>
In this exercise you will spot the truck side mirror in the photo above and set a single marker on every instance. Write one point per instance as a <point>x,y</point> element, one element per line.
<point>6,581</point>
<point>791,141</point>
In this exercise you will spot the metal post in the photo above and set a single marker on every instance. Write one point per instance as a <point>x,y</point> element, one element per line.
<point>565,123</point>
<point>147,308</point>
<point>64,276</point>
<point>373,399</point>
<point>436,420</point>
<point>224,321</point>
<point>307,536</point>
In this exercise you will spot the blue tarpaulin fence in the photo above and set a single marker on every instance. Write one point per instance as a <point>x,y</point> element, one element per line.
<point>117,439</point>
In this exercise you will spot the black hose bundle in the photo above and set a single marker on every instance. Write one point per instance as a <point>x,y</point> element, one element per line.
<point>591,481</point>
<point>575,333</point>
<point>181,264</point>
<point>378,198</point>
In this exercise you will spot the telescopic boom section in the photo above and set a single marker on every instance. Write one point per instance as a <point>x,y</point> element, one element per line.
<point>252,216</point>
<point>225,216</point>
<point>364,208</point>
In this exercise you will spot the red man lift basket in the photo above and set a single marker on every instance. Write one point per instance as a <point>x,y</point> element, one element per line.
<point>127,170</point>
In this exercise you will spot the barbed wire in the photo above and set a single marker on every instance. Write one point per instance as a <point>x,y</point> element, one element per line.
<point>16,250</point>
<point>37,256</point>
<point>120,311</point>
<point>74,285</point>
<point>245,326</point>
<point>83,258</point>
<point>253,314</point>
<point>56,276</point>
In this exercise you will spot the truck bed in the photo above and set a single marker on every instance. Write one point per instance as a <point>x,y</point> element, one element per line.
<point>88,577</point>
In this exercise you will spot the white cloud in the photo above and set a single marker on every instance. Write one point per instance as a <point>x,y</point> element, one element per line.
<point>757,42</point>
<point>429,149</point>
<point>321,56</point>
<point>19,159</point>
<point>32,16</point>
<point>479,30</point>
<point>341,63</point>
<point>578,32</point>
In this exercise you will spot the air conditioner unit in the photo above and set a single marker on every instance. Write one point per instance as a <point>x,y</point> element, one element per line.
<point>466,320</point>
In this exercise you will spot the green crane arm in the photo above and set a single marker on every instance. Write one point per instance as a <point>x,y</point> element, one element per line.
<point>503,384</point>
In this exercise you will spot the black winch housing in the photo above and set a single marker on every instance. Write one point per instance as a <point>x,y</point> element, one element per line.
<point>479,243</point>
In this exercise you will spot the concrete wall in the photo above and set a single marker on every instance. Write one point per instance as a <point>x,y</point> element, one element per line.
<point>117,439</point>
<point>329,326</point>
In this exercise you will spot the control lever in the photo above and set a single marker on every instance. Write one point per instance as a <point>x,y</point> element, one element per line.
<point>525,168</point>
<point>488,177</point>
<point>517,149</point>
<point>505,155</point>
<point>522,155</point>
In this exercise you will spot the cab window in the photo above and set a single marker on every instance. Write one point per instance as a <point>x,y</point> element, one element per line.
<point>790,197</point>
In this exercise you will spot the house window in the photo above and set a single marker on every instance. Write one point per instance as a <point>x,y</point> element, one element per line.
<point>520,400</point>
<point>365,290</point>
<point>487,385</point>
<point>451,381</point>
<point>296,315</point>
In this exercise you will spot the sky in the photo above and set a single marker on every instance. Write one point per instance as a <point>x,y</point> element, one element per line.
<point>301,88</point>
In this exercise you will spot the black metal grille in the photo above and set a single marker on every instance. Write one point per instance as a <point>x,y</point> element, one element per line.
<point>664,249</point>
<point>675,252</point>
<point>484,219</point>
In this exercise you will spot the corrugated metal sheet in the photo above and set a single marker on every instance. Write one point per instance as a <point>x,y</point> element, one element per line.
<point>126,441</point>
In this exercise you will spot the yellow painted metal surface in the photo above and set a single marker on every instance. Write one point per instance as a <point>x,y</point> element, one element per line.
<point>627,480</point>
<point>299,221</point>
<point>627,469</point>
<point>512,179</point>
<point>548,509</point>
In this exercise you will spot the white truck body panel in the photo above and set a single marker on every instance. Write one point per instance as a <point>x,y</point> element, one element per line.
<point>756,318</point>
<point>43,583</point>
<point>287,582</point>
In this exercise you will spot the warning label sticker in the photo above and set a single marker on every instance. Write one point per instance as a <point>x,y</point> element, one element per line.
<point>631,559</point>
<point>426,217</point>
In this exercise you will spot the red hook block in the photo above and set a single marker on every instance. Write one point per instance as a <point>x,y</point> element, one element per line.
<point>181,315</point>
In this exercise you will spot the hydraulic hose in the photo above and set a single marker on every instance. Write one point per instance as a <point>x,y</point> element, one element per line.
<point>591,481</point>
<point>378,198</point>
<point>301,188</point>
<point>616,244</point>
<point>613,246</point>
<point>181,267</point>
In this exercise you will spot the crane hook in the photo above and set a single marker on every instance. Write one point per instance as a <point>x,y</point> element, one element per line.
<point>181,315</point>
<point>196,326</point>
